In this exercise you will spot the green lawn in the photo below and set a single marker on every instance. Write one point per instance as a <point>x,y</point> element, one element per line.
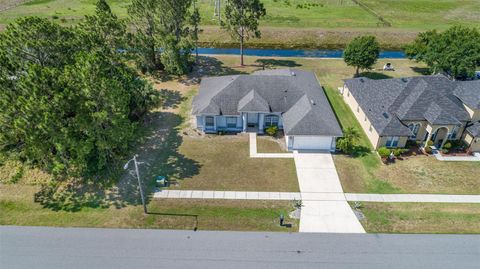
<point>267,144</point>
<point>291,23</point>
<point>18,208</point>
<point>223,163</point>
<point>421,218</point>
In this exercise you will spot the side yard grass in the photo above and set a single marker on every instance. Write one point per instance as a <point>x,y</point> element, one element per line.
<point>421,218</point>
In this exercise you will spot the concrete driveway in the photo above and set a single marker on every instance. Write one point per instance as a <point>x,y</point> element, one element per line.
<point>317,174</point>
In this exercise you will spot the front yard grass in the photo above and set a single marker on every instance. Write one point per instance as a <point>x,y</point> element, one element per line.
<point>268,144</point>
<point>18,208</point>
<point>421,218</point>
<point>224,164</point>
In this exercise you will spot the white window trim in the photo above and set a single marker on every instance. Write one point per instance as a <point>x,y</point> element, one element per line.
<point>391,140</point>
<point>213,122</point>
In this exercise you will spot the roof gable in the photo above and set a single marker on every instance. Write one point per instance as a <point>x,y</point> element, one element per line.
<point>253,102</point>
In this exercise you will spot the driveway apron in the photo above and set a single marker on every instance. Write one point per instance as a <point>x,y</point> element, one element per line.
<point>317,174</point>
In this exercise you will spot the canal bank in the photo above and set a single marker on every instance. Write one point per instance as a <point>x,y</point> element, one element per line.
<point>297,53</point>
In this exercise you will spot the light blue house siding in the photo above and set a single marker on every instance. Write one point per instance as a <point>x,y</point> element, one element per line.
<point>238,123</point>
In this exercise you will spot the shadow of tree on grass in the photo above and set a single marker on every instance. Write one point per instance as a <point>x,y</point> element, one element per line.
<point>158,153</point>
<point>268,63</point>
<point>374,75</point>
<point>421,70</point>
<point>170,98</point>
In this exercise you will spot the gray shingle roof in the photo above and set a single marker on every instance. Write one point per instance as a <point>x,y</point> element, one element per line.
<point>253,102</point>
<point>388,102</point>
<point>474,130</point>
<point>295,93</point>
<point>469,93</point>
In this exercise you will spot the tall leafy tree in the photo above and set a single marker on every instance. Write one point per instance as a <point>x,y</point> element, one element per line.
<point>242,20</point>
<point>362,53</point>
<point>146,41</point>
<point>67,108</point>
<point>104,29</point>
<point>166,31</point>
<point>178,34</point>
<point>455,52</point>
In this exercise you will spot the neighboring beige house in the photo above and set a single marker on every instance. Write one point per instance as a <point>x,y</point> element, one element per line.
<point>393,111</point>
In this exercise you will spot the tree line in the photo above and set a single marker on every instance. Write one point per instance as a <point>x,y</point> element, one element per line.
<point>454,52</point>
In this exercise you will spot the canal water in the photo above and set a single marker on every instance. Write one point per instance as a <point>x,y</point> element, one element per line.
<point>293,53</point>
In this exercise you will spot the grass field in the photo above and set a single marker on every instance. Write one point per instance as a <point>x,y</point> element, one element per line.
<point>297,23</point>
<point>421,218</point>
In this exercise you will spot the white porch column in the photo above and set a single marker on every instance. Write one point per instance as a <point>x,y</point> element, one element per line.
<point>244,122</point>
<point>261,122</point>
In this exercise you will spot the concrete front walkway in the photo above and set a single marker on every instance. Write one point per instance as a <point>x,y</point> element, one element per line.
<point>474,158</point>
<point>316,173</point>
<point>317,196</point>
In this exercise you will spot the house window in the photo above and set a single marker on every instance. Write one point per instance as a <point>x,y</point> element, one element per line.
<point>209,121</point>
<point>358,109</point>
<point>392,141</point>
<point>231,122</point>
<point>365,118</point>
<point>271,120</point>
<point>414,127</point>
<point>453,135</point>
<point>371,128</point>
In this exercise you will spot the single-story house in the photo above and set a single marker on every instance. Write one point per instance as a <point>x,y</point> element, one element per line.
<point>394,111</point>
<point>292,100</point>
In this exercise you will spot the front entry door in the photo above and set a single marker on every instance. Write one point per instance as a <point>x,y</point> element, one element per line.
<point>252,119</point>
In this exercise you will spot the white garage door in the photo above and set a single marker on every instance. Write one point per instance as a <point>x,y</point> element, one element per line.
<point>312,142</point>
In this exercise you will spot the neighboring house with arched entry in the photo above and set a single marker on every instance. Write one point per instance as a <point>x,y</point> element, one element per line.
<point>394,111</point>
<point>292,100</point>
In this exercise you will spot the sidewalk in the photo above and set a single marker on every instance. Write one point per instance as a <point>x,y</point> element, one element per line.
<point>317,196</point>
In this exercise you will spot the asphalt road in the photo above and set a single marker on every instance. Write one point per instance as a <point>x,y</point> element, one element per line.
<point>37,247</point>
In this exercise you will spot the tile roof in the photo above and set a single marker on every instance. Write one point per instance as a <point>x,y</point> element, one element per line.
<point>388,102</point>
<point>296,94</point>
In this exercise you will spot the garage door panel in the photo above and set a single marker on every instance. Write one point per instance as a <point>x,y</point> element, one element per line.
<point>312,142</point>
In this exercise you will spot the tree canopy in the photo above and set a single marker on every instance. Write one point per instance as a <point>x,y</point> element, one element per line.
<point>242,20</point>
<point>362,53</point>
<point>165,34</point>
<point>67,103</point>
<point>456,52</point>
